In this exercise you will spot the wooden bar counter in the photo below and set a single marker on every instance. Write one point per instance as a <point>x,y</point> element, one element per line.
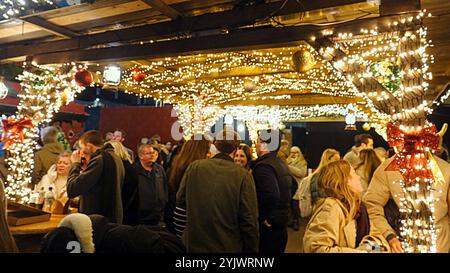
<point>38,228</point>
<point>29,237</point>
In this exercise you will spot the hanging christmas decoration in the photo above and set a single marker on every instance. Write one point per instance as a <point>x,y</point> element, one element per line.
<point>303,60</point>
<point>13,130</point>
<point>249,85</point>
<point>387,74</point>
<point>411,158</point>
<point>83,78</point>
<point>366,126</point>
<point>138,75</point>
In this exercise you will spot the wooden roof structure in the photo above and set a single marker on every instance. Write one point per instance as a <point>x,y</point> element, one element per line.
<point>143,32</point>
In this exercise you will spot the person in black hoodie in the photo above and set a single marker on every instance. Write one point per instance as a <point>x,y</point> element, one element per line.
<point>100,184</point>
<point>274,189</point>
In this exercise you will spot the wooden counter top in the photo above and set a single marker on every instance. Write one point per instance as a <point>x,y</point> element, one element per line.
<point>38,228</point>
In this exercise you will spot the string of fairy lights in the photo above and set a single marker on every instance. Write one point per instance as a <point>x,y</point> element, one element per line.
<point>197,86</point>
<point>398,60</point>
<point>418,228</point>
<point>417,201</point>
<point>226,77</point>
<point>45,89</point>
<point>197,118</point>
<point>442,98</point>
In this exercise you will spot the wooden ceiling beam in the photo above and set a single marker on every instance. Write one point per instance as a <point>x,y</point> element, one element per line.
<point>232,18</point>
<point>165,9</point>
<point>246,39</point>
<point>439,93</point>
<point>50,27</point>
<point>389,7</point>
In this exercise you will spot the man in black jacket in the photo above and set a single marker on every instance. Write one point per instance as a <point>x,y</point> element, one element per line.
<point>152,186</point>
<point>274,191</point>
<point>99,185</point>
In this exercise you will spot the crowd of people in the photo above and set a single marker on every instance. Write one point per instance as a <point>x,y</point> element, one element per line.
<point>220,195</point>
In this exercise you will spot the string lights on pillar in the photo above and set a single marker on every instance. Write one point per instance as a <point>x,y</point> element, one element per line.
<point>45,89</point>
<point>396,59</point>
<point>421,174</point>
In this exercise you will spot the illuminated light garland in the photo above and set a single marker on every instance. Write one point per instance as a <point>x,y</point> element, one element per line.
<point>408,51</point>
<point>257,118</point>
<point>417,202</point>
<point>271,117</point>
<point>418,229</point>
<point>197,118</point>
<point>372,46</point>
<point>291,114</point>
<point>442,98</point>
<point>212,75</point>
<point>45,89</point>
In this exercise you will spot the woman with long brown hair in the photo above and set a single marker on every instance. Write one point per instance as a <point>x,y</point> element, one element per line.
<point>369,162</point>
<point>243,156</point>
<point>340,222</point>
<point>7,244</point>
<point>191,151</point>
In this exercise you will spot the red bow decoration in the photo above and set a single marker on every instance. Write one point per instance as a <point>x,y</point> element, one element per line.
<point>14,130</point>
<point>411,160</point>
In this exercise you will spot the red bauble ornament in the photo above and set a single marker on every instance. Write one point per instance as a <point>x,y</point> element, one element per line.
<point>83,78</point>
<point>138,75</point>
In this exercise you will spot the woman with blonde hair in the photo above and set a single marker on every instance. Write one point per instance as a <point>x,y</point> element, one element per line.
<point>340,222</point>
<point>130,196</point>
<point>369,162</point>
<point>7,244</point>
<point>297,166</point>
<point>328,156</point>
<point>307,190</point>
<point>120,151</point>
<point>57,175</point>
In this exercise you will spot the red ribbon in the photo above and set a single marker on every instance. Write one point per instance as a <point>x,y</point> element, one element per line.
<point>14,130</point>
<point>411,158</point>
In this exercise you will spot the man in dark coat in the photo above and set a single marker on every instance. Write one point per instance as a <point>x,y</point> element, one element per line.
<point>99,185</point>
<point>220,201</point>
<point>152,187</point>
<point>274,190</point>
